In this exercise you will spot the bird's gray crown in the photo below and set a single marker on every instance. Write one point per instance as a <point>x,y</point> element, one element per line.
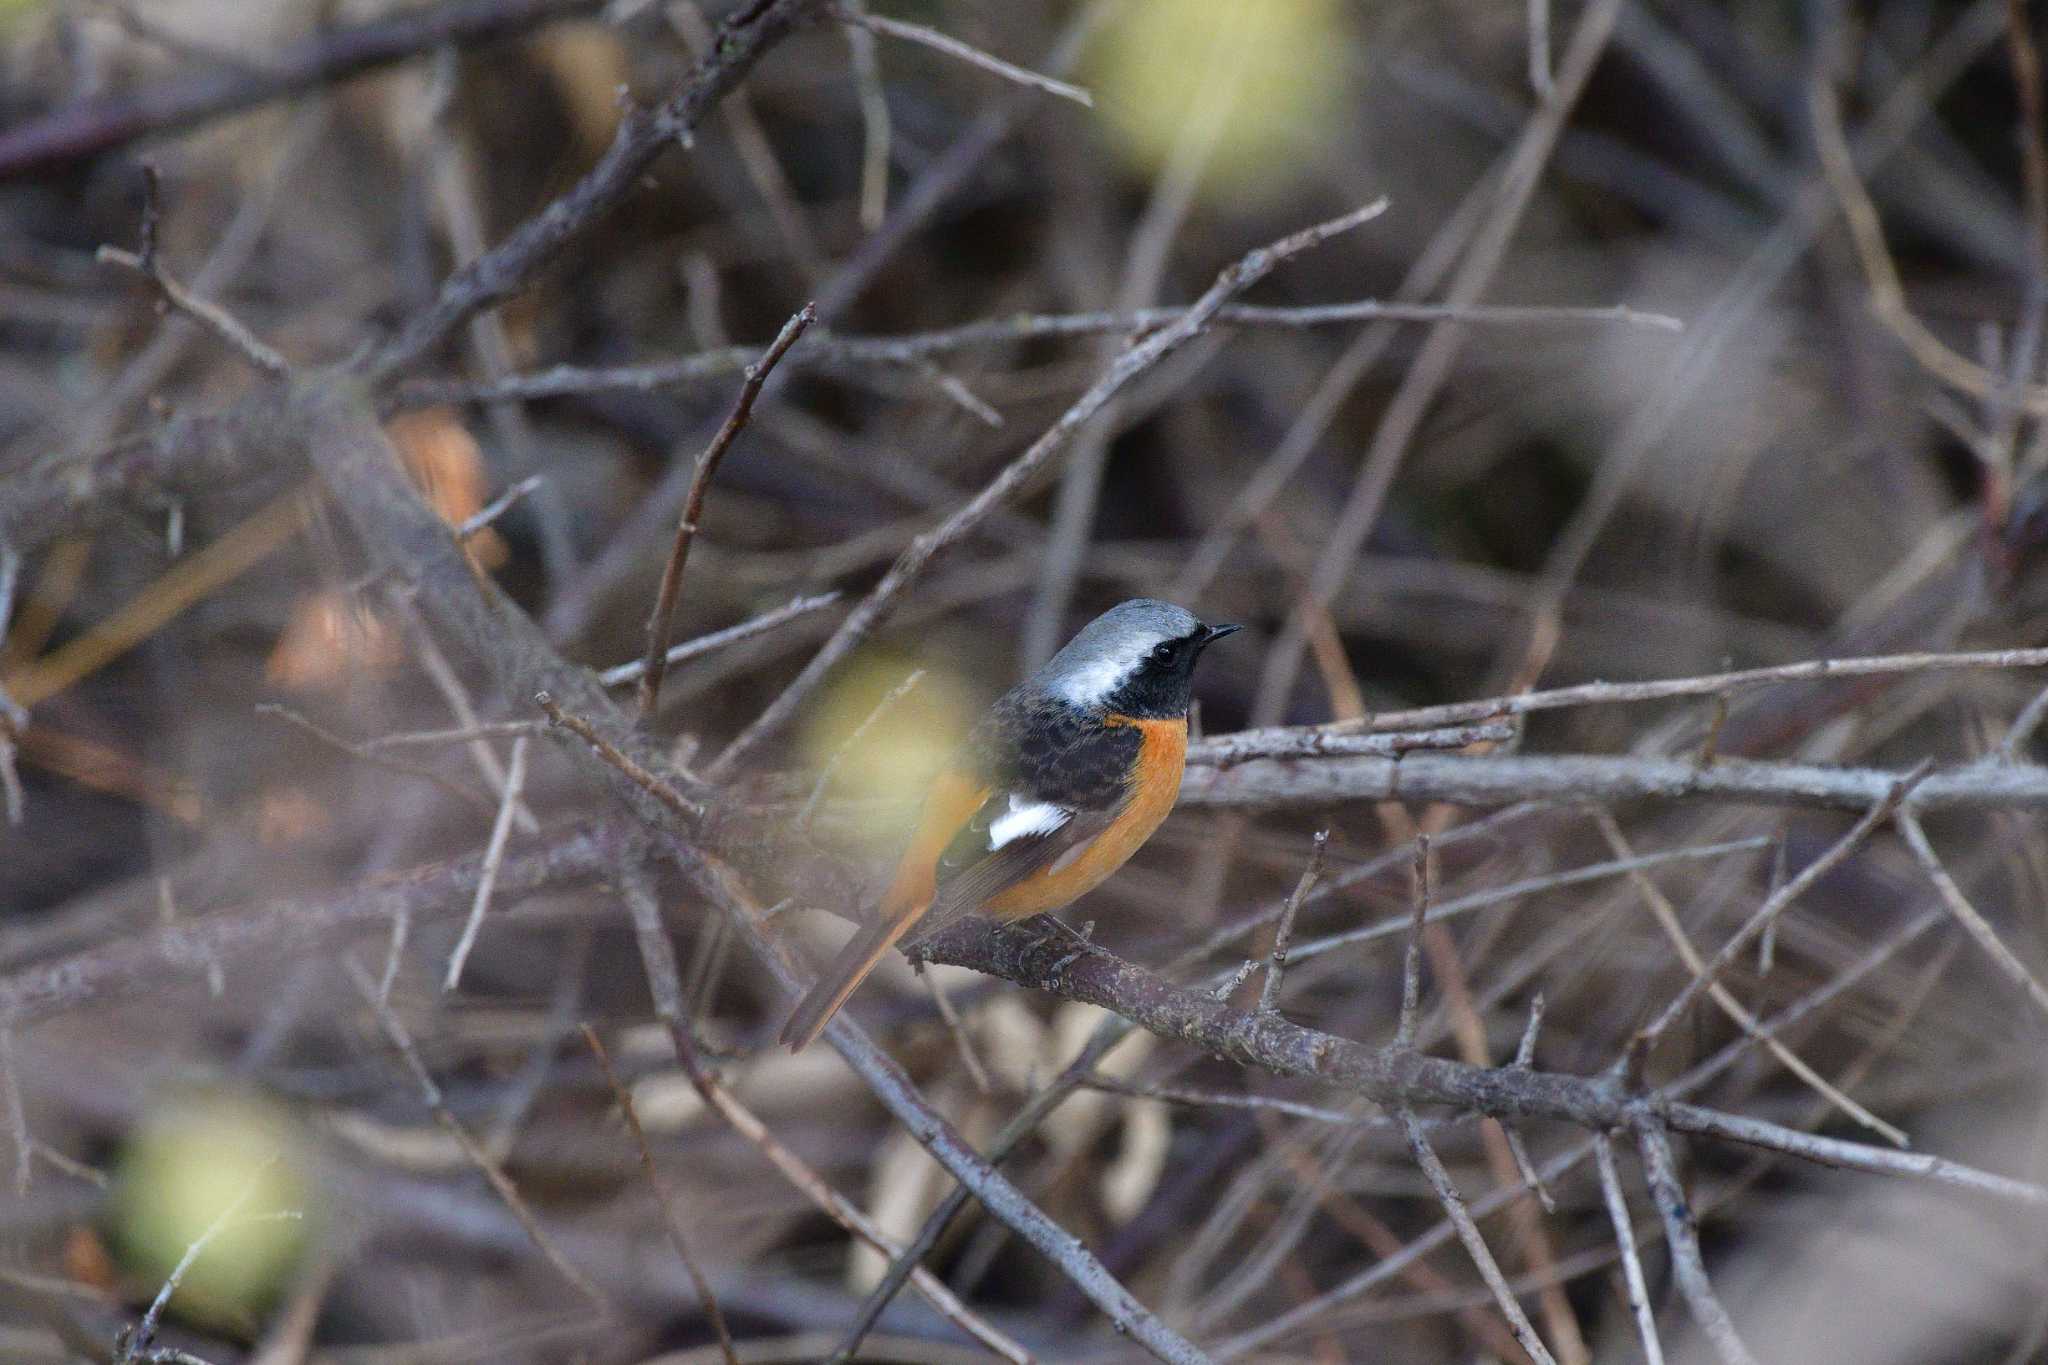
<point>1109,649</point>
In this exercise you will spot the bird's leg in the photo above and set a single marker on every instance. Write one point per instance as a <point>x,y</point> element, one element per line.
<point>1083,938</point>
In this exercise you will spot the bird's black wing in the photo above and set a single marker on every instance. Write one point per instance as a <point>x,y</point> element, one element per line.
<point>1058,777</point>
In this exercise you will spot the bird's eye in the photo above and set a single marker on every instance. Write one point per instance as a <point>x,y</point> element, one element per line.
<point>1163,652</point>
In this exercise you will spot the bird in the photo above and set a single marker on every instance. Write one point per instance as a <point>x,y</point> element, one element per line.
<point>1063,778</point>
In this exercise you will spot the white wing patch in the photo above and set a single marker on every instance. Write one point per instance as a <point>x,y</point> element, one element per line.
<point>1025,817</point>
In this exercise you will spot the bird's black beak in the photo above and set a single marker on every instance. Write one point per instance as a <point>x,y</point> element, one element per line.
<point>1211,634</point>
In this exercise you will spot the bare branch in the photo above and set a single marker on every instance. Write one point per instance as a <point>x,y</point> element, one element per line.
<point>225,326</point>
<point>1681,1234</point>
<point>497,507</point>
<point>17,1115</point>
<point>1711,684</point>
<point>658,960</point>
<point>1411,956</point>
<point>1500,780</point>
<point>494,856</point>
<point>655,661</point>
<point>832,352</point>
<point>887,1082</point>
<point>1475,1245</point>
<point>622,674</point>
<point>1625,1238</point>
<point>641,777</point>
<point>1974,924</point>
<point>1283,934</point>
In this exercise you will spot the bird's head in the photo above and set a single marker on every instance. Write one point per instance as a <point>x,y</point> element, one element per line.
<point>1136,659</point>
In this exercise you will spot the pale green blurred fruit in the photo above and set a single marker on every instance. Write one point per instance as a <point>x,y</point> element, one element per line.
<point>187,1163</point>
<point>1275,67</point>
<point>889,767</point>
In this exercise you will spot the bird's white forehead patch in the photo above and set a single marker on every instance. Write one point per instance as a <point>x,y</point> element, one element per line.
<point>1025,818</point>
<point>1089,684</point>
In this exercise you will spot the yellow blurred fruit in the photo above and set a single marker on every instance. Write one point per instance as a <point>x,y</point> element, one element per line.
<point>1271,71</point>
<point>189,1162</point>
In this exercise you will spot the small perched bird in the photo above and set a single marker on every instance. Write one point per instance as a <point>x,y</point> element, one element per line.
<point>1063,779</point>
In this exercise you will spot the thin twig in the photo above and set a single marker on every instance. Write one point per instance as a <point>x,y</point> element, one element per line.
<point>226,328</point>
<point>1881,274</point>
<point>2023,727</point>
<point>14,718</point>
<point>1681,1235</point>
<point>832,351</point>
<point>665,1196</point>
<point>461,734</point>
<point>494,856</point>
<point>1667,919</point>
<point>1974,924</point>
<point>1411,958</point>
<point>1475,1245</point>
<point>939,42</point>
<point>1525,1166</point>
<point>427,652</point>
<point>1525,1058</point>
<point>1550,881</point>
<point>655,662</point>
<point>648,782</point>
<point>1025,1122</point>
<point>621,674</point>
<point>497,507</point>
<point>401,1042</point>
<point>1283,933</point>
<point>1614,693</point>
<point>1777,901</point>
<point>976,1072</point>
<point>459,790</point>
<point>1134,361</point>
<point>1625,1238</point>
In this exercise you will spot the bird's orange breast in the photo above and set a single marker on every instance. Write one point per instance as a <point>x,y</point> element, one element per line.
<point>1155,786</point>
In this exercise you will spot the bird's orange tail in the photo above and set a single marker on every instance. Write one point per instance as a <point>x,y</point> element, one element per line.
<point>842,978</point>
